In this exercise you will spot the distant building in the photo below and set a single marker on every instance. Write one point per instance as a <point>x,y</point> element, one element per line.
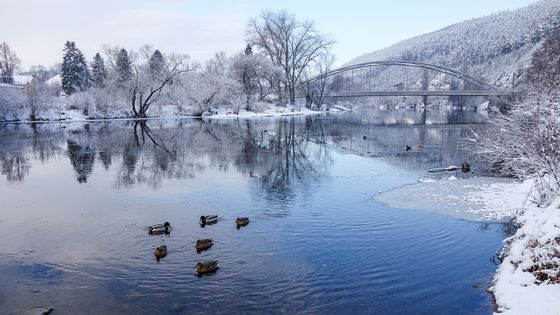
<point>55,84</point>
<point>23,79</point>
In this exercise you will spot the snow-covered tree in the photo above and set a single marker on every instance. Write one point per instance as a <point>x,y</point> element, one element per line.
<point>9,63</point>
<point>317,84</point>
<point>524,141</point>
<point>255,73</point>
<point>204,90</point>
<point>123,66</point>
<point>157,63</point>
<point>75,73</point>
<point>248,50</point>
<point>289,43</point>
<point>544,72</point>
<point>147,87</point>
<point>98,71</point>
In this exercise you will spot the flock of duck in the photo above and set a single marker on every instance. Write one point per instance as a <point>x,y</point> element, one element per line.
<point>203,267</point>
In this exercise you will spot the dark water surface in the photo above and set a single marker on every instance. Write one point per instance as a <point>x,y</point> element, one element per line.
<point>76,200</point>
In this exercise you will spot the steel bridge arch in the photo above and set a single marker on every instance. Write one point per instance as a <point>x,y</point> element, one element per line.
<point>468,78</point>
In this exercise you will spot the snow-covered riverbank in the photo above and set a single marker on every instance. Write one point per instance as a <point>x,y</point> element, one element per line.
<point>216,113</point>
<point>528,280</point>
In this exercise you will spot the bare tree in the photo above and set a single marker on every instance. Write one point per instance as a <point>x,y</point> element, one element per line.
<point>9,63</point>
<point>318,85</point>
<point>255,73</point>
<point>146,87</point>
<point>524,141</point>
<point>290,44</point>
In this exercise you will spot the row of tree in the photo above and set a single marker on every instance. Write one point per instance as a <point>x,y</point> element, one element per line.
<point>281,53</point>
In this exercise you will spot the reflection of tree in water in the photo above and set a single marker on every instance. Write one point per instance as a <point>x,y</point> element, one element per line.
<point>106,158</point>
<point>285,159</point>
<point>82,159</point>
<point>15,166</point>
<point>290,162</point>
<point>149,157</point>
<point>44,147</point>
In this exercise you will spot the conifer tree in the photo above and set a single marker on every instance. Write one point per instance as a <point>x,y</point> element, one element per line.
<point>98,71</point>
<point>248,50</point>
<point>157,63</point>
<point>124,67</point>
<point>75,72</point>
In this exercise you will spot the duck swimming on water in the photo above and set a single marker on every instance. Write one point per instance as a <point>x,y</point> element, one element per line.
<point>160,252</point>
<point>203,244</point>
<point>208,219</point>
<point>241,222</point>
<point>160,228</point>
<point>206,267</point>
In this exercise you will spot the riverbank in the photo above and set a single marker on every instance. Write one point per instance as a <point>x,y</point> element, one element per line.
<point>528,280</point>
<point>70,115</point>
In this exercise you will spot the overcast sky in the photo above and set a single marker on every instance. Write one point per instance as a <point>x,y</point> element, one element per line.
<point>37,29</point>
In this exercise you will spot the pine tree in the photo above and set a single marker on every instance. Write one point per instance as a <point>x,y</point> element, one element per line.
<point>157,63</point>
<point>248,50</point>
<point>85,81</point>
<point>124,67</point>
<point>75,72</point>
<point>98,71</point>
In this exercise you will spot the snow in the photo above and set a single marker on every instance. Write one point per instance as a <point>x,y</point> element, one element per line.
<point>58,112</point>
<point>493,48</point>
<point>22,79</point>
<point>55,81</point>
<point>518,291</point>
<point>271,110</point>
<point>475,198</point>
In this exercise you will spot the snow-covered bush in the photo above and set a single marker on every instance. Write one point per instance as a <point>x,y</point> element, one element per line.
<point>12,103</point>
<point>204,90</point>
<point>524,141</point>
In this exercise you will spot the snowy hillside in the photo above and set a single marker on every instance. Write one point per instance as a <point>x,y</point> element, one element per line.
<point>492,47</point>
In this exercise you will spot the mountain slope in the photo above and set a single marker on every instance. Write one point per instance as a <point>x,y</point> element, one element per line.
<point>492,47</point>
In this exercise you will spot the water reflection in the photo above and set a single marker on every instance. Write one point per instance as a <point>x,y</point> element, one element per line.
<point>280,153</point>
<point>15,166</point>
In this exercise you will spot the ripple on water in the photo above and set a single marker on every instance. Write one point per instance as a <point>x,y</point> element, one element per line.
<point>316,243</point>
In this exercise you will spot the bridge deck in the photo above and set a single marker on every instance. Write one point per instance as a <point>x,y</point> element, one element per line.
<point>417,93</point>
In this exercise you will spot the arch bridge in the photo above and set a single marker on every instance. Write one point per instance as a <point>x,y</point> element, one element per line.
<point>341,82</point>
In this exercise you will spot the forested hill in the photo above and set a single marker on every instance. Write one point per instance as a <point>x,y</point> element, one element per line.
<point>492,47</point>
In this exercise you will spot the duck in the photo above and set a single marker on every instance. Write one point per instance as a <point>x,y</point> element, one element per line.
<point>465,167</point>
<point>160,252</point>
<point>407,148</point>
<point>203,244</point>
<point>419,146</point>
<point>208,219</point>
<point>206,267</point>
<point>160,228</point>
<point>241,222</point>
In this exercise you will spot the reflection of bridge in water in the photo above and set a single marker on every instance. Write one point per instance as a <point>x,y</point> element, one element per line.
<point>375,79</point>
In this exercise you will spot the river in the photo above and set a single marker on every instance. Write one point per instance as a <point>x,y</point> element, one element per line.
<point>77,200</point>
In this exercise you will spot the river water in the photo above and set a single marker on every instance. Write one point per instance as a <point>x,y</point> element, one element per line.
<point>76,200</point>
